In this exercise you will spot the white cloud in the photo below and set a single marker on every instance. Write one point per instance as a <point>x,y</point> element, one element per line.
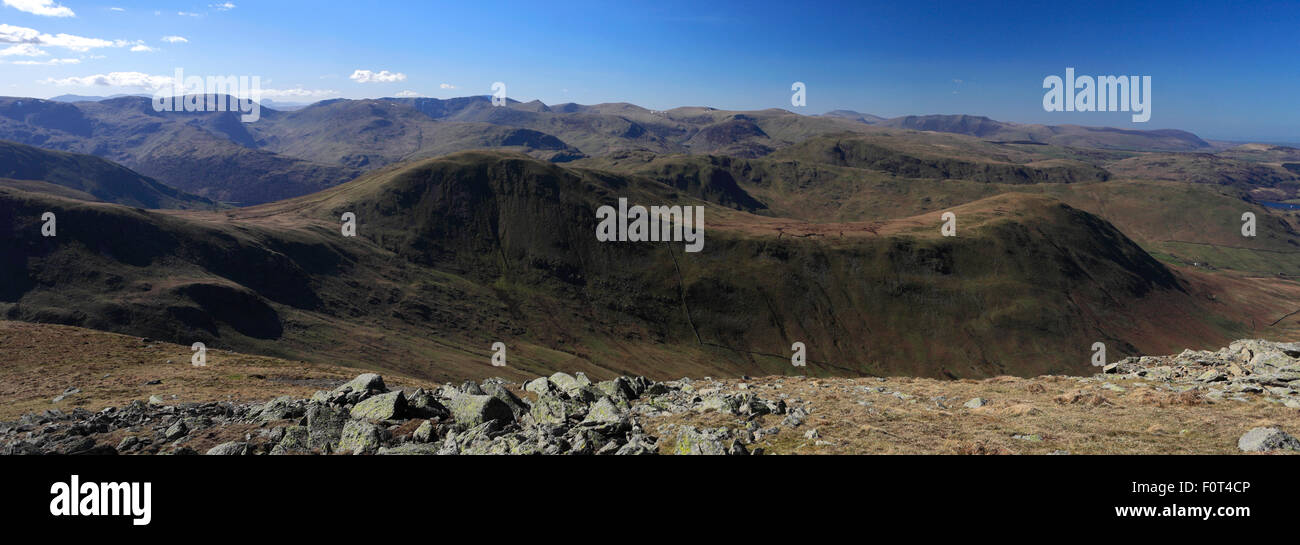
<point>51,62</point>
<point>22,50</point>
<point>40,7</point>
<point>22,35</point>
<point>189,14</point>
<point>408,94</point>
<point>145,82</point>
<point>175,40</point>
<point>383,76</point>
<point>117,9</point>
<point>141,48</point>
<point>226,6</point>
<point>134,80</point>
<point>447,86</point>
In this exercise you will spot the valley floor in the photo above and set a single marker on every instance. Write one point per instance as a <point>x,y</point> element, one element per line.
<point>1194,403</point>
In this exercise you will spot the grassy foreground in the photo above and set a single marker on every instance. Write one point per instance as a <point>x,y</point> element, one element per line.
<point>1078,415</point>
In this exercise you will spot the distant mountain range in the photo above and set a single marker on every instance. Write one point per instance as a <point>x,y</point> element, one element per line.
<point>89,178</point>
<point>457,252</point>
<point>820,229</point>
<point>291,153</point>
<point>1061,135</point>
<point>266,102</point>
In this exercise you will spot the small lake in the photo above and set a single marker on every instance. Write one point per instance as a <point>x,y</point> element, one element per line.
<point>1281,205</point>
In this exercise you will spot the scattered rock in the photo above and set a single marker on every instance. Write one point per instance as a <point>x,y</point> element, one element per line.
<point>1267,440</point>
<point>422,404</point>
<point>473,410</point>
<point>389,406</point>
<point>360,437</point>
<point>65,394</point>
<point>692,441</point>
<point>424,433</point>
<point>229,449</point>
<point>368,382</point>
<point>324,425</point>
<point>176,431</point>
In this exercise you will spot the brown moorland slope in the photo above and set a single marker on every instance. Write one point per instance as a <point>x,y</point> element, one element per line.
<point>457,253</point>
<point>1106,414</point>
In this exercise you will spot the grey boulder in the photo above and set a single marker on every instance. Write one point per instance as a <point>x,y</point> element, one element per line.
<point>1267,440</point>
<point>473,410</point>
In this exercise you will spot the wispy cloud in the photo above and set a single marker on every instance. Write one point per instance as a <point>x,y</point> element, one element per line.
<point>382,76</point>
<point>446,86</point>
<point>49,62</point>
<point>10,34</point>
<point>140,81</point>
<point>175,40</point>
<point>47,8</point>
<point>22,50</point>
<point>225,6</point>
<point>133,80</point>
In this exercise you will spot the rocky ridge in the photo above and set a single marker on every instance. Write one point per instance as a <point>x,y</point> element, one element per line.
<point>1247,367</point>
<point>570,414</point>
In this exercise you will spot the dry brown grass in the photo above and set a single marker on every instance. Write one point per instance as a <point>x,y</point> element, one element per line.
<point>40,361</point>
<point>37,362</point>
<point>1064,413</point>
<point>1077,397</point>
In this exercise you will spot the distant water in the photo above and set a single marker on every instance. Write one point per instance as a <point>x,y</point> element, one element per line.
<point>1282,205</point>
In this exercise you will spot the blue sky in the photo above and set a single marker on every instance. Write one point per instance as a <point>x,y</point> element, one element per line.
<point>1218,69</point>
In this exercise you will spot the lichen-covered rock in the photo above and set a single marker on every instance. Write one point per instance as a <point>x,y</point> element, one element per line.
<point>549,410</point>
<point>473,410</point>
<point>325,425</point>
<point>541,386</point>
<point>637,445</point>
<point>360,437</point>
<point>296,440</point>
<point>389,406</point>
<point>368,382</point>
<point>564,381</point>
<point>472,440</point>
<point>280,408</point>
<point>1267,440</point>
<point>410,449</point>
<point>721,403</point>
<point>424,433</point>
<point>233,448</point>
<point>619,388</point>
<point>585,419</point>
<point>422,404</point>
<point>499,391</point>
<point>602,413</point>
<point>692,441</point>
